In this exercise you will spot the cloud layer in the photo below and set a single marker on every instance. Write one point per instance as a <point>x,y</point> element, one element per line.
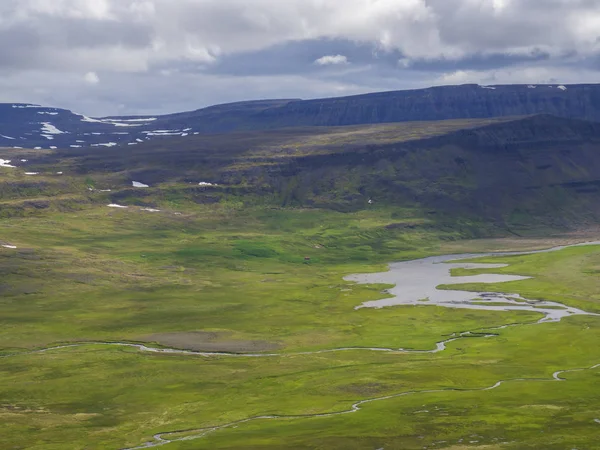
<point>146,56</point>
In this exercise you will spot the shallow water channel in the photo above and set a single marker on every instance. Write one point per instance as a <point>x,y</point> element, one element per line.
<point>415,283</point>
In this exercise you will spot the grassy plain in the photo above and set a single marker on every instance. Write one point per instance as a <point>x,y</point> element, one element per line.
<point>233,276</point>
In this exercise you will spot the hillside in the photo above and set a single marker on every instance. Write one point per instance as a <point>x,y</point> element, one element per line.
<point>512,172</point>
<point>32,126</point>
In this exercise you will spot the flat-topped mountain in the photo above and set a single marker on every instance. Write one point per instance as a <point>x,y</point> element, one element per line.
<point>33,126</point>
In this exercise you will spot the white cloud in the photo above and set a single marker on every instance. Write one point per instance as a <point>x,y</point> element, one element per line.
<point>91,78</point>
<point>331,60</point>
<point>45,42</point>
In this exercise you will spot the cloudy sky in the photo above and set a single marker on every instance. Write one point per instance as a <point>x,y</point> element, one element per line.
<point>102,57</point>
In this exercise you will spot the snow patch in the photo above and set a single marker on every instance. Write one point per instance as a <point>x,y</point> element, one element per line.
<point>150,210</point>
<point>59,173</point>
<point>488,87</point>
<point>75,146</point>
<point>7,137</point>
<point>204,183</point>
<point>5,163</point>
<point>562,88</point>
<point>32,173</point>
<point>9,246</point>
<point>141,119</point>
<point>88,119</point>
<point>108,144</point>
<point>24,106</point>
<point>23,160</point>
<point>162,133</point>
<point>48,113</point>
<point>48,128</point>
<point>52,147</point>
<point>47,136</point>
<point>531,86</point>
<point>137,184</point>
<point>114,205</point>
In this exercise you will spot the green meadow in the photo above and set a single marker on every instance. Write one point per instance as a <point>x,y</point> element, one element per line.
<point>240,277</point>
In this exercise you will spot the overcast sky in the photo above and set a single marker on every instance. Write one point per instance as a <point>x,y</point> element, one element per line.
<point>102,57</point>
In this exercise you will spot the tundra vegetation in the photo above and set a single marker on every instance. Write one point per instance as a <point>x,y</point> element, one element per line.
<point>221,270</point>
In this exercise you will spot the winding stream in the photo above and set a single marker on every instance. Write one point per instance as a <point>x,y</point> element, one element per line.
<point>161,439</point>
<point>415,283</point>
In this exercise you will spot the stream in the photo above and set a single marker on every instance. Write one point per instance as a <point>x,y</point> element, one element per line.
<point>415,283</point>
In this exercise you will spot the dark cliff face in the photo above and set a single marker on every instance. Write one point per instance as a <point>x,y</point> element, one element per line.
<point>440,103</point>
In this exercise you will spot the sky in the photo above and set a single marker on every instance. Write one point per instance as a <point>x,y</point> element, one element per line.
<point>109,57</point>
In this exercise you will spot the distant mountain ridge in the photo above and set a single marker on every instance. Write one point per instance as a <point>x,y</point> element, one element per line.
<point>32,126</point>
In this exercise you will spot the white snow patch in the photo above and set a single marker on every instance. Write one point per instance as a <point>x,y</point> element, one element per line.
<point>188,129</point>
<point>132,143</point>
<point>21,148</point>
<point>97,134</point>
<point>105,190</point>
<point>108,121</point>
<point>48,128</point>
<point>562,88</point>
<point>52,147</point>
<point>23,160</point>
<point>147,119</point>
<point>108,144</point>
<point>531,86</point>
<point>162,133</point>
<point>80,142</point>
<point>37,148</point>
<point>114,205</point>
<point>488,87</point>
<point>75,146</point>
<point>24,106</point>
<point>7,137</point>
<point>184,134</point>
<point>47,136</point>
<point>32,173</point>
<point>204,183</point>
<point>59,173</point>
<point>48,113</point>
<point>139,140</point>
<point>5,163</point>
<point>88,119</point>
<point>150,210</point>
<point>139,185</point>
<point>9,246</point>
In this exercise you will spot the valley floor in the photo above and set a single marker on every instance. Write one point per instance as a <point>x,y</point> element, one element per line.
<point>224,281</point>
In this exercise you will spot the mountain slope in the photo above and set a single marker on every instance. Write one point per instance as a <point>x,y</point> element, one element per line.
<point>511,172</point>
<point>33,126</point>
